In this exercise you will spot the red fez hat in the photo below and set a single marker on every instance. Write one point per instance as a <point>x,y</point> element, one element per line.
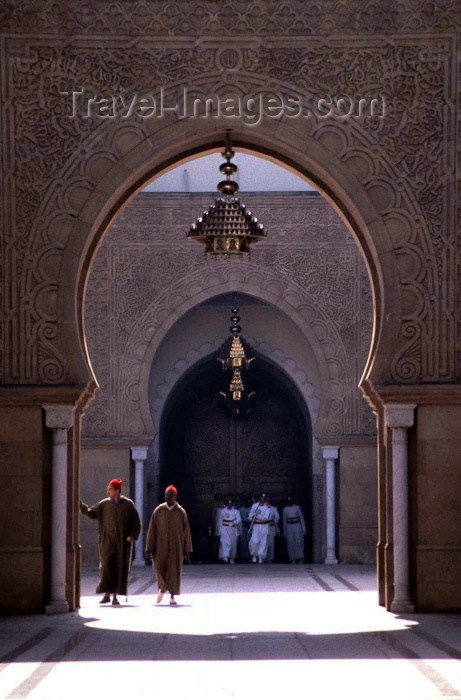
<point>172,488</point>
<point>116,484</point>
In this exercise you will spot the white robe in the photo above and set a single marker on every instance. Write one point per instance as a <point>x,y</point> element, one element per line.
<point>294,531</point>
<point>228,527</point>
<point>259,539</point>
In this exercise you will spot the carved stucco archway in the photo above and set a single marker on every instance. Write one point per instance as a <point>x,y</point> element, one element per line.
<point>388,278</point>
<point>380,174</point>
<point>308,394</point>
<point>131,410</point>
<point>395,181</point>
<point>353,162</point>
<point>355,200</point>
<point>180,368</point>
<point>371,229</point>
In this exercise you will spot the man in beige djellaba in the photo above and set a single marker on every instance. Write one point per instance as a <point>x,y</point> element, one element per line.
<point>119,526</point>
<point>168,542</point>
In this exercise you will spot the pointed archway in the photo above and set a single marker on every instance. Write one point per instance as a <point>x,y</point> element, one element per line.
<point>208,454</point>
<point>392,179</point>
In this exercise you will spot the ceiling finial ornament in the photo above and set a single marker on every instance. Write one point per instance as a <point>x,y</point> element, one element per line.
<point>227,227</point>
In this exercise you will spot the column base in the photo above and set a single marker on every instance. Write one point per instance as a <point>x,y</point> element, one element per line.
<point>402,606</point>
<point>331,560</point>
<point>57,607</point>
<point>138,562</point>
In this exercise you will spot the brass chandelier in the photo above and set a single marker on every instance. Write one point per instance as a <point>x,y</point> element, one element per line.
<point>233,358</point>
<point>227,227</point>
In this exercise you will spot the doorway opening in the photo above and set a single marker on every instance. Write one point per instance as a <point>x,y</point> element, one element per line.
<point>209,454</point>
<point>143,286</point>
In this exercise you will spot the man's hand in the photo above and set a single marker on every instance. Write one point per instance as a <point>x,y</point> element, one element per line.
<point>130,539</point>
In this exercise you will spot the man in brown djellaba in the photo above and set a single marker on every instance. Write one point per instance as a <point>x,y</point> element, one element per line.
<point>119,526</point>
<point>168,542</point>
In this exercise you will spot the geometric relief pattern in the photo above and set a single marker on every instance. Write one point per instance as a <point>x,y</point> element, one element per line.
<point>170,19</point>
<point>276,355</point>
<point>263,283</point>
<point>54,164</point>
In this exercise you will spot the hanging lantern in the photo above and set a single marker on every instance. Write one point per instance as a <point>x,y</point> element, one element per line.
<point>233,357</point>
<point>227,227</point>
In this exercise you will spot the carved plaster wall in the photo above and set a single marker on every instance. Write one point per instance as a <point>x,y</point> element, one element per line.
<point>393,176</point>
<point>276,355</point>
<point>142,285</point>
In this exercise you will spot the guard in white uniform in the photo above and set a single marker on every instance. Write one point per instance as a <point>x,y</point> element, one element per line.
<point>228,528</point>
<point>294,530</point>
<point>261,518</point>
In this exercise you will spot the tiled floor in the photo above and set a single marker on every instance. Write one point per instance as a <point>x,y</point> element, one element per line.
<point>240,632</point>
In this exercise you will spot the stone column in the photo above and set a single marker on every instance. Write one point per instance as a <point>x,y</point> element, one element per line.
<point>329,455</point>
<point>139,455</point>
<point>400,417</point>
<point>59,419</point>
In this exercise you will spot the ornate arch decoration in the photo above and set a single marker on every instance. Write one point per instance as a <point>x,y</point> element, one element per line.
<point>288,366</point>
<point>335,174</point>
<point>131,413</point>
<point>99,168</point>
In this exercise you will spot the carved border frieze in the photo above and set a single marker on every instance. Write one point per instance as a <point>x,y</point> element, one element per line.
<point>229,17</point>
<point>54,165</point>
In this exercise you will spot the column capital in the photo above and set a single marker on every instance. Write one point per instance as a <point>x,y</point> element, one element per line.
<point>400,415</point>
<point>139,453</point>
<point>330,452</point>
<point>59,416</point>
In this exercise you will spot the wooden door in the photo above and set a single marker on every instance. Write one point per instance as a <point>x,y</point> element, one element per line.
<point>208,454</point>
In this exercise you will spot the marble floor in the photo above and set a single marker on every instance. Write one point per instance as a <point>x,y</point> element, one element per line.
<point>239,632</point>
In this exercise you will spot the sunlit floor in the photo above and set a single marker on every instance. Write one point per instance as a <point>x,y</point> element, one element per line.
<point>242,631</point>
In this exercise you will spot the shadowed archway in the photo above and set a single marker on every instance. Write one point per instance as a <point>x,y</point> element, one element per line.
<point>208,454</point>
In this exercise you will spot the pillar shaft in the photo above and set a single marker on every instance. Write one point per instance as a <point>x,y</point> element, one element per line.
<point>139,455</point>
<point>399,417</point>
<point>330,454</point>
<point>59,419</point>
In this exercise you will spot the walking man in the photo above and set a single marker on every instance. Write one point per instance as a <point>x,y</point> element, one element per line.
<point>228,528</point>
<point>294,529</point>
<point>168,543</point>
<point>261,518</point>
<point>119,525</point>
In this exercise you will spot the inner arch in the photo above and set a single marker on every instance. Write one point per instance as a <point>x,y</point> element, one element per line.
<point>349,209</point>
<point>168,251</point>
<point>209,454</point>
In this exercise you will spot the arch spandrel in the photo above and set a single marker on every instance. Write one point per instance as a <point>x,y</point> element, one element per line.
<point>364,190</point>
<point>132,401</point>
